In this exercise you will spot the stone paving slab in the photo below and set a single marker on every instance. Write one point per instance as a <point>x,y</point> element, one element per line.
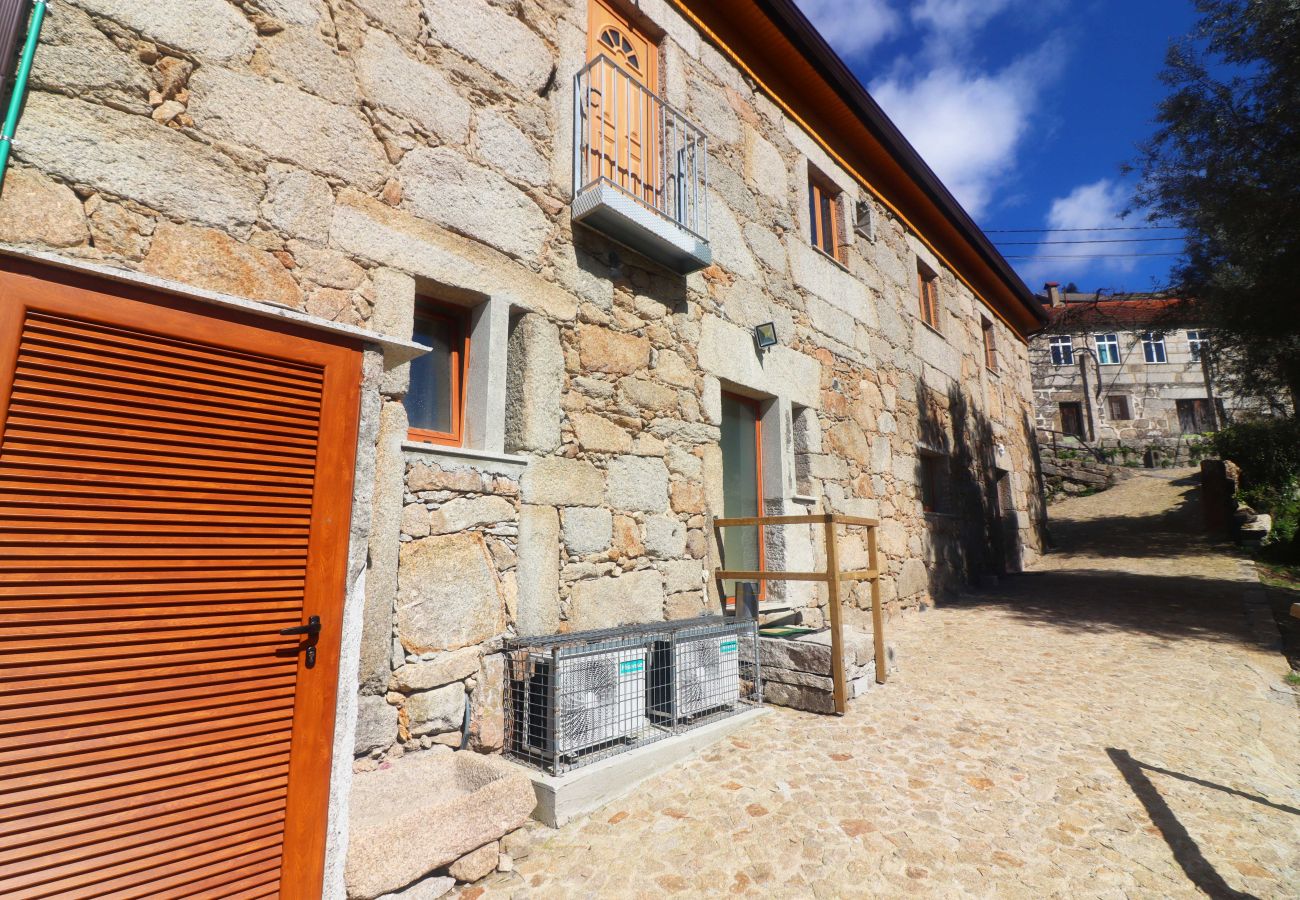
<point>1106,726</point>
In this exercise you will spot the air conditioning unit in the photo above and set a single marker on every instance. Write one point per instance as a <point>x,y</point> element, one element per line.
<point>598,696</point>
<point>701,673</point>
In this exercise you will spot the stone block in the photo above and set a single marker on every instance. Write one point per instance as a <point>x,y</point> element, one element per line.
<point>647,396</point>
<point>765,169</point>
<point>436,711</point>
<point>385,531</point>
<point>665,537</point>
<point>286,123</point>
<point>623,600</point>
<point>428,889</point>
<point>401,17</point>
<point>135,158</point>
<point>809,699</point>
<point>443,186</point>
<point>416,90</point>
<point>207,258</point>
<point>557,481</point>
<point>492,37</point>
<point>298,203</point>
<point>686,605</point>
<point>213,29</point>
<point>464,513</point>
<point>448,595</point>
<point>300,56</point>
<point>538,565</point>
<point>604,350</point>
<point>425,811</point>
<point>596,434</point>
<point>506,148</point>
<point>914,578</point>
<point>477,863</point>
<point>487,726</point>
<point>534,385</point>
<point>443,669</point>
<point>682,575</point>
<point>376,724</point>
<point>587,530</point>
<point>37,210</point>
<point>77,58</point>
<point>637,483</point>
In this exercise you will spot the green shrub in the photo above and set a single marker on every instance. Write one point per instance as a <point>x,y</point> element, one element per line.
<point>1268,452</point>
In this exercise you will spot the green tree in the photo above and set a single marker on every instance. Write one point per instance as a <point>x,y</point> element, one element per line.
<point>1224,163</point>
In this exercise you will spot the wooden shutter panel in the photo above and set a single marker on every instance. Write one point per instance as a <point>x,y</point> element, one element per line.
<point>171,497</point>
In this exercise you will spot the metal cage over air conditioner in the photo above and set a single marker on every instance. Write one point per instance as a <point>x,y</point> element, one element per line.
<point>577,698</point>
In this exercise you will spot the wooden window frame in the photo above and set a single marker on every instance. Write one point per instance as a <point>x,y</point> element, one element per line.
<point>928,294</point>
<point>430,308</point>
<point>820,187</point>
<point>990,345</point>
<point>1120,400</point>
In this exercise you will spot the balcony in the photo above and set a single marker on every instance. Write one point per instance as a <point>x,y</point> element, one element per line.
<point>640,169</point>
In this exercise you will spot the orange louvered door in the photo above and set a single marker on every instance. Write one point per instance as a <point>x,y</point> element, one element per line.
<point>175,490</point>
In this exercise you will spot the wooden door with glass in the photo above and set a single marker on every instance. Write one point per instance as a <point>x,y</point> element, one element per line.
<point>625,119</point>
<point>742,487</point>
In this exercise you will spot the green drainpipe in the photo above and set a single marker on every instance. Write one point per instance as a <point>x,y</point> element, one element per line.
<point>20,87</point>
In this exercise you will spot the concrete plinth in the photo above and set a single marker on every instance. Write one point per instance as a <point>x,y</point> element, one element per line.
<point>563,798</point>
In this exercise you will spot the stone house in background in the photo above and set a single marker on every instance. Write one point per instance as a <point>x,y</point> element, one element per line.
<point>1125,369</point>
<point>583,211</point>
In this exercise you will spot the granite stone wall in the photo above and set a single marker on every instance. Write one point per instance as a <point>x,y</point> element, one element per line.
<point>341,156</point>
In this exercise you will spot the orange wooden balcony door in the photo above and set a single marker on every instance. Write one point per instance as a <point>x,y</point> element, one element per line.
<point>625,120</point>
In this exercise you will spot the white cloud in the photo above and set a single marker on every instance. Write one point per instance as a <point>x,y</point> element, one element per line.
<point>1088,206</point>
<point>967,125</point>
<point>955,21</point>
<point>852,27</point>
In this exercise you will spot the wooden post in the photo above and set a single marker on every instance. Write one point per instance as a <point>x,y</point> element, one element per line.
<point>837,630</point>
<point>877,615</point>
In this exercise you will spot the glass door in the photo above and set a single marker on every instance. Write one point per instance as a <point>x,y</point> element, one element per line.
<point>742,486</point>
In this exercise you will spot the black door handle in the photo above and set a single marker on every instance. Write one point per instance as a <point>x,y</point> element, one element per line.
<point>312,628</point>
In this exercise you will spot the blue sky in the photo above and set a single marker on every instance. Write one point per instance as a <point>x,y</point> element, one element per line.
<point>1026,109</point>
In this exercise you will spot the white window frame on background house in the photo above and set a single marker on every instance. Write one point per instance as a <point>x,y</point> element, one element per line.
<point>1107,348</point>
<point>1153,347</point>
<point>1062,349</point>
<point>1197,340</point>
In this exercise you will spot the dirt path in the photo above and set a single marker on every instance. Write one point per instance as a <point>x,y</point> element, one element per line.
<point>1105,726</point>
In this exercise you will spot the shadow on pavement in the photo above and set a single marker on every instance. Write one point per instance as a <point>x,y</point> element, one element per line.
<point>1169,607</point>
<point>1187,853</point>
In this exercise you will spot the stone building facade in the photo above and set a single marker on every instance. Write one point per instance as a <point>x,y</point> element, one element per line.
<point>1125,370</point>
<point>343,158</point>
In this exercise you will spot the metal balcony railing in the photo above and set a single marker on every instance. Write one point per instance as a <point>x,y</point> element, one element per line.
<point>627,137</point>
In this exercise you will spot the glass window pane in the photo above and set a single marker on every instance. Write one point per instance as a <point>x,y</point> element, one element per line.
<point>828,225</point>
<point>812,213</point>
<point>740,545</point>
<point>429,401</point>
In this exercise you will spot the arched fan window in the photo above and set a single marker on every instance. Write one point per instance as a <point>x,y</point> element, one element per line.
<point>617,41</point>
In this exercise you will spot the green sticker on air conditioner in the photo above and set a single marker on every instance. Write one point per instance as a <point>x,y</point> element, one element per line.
<point>727,647</point>
<point>632,665</point>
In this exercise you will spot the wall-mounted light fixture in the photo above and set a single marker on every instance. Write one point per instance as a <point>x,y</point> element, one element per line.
<point>765,335</point>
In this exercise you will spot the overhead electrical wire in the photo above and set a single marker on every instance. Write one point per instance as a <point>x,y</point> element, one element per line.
<point>1093,241</point>
<point>1099,228</point>
<point>1089,256</point>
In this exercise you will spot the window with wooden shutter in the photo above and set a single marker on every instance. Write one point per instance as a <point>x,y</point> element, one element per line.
<point>826,217</point>
<point>928,285</point>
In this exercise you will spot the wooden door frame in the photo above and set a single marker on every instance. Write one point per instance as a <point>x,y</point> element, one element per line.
<point>25,284</point>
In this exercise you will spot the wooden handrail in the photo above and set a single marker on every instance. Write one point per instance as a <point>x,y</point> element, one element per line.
<point>831,578</point>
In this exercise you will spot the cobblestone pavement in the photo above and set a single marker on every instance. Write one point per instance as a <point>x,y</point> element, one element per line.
<point>1102,727</point>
